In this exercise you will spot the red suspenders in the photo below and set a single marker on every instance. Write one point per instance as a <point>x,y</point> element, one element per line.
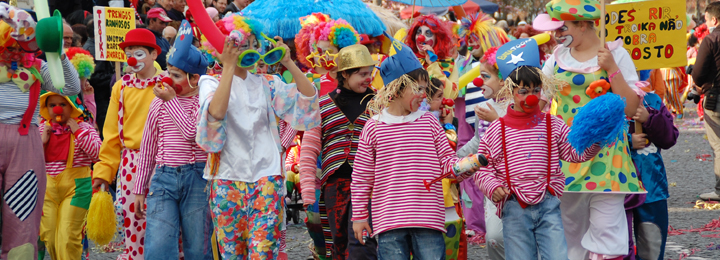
<point>549,151</point>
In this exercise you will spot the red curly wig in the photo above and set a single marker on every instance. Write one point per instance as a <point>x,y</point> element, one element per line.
<point>443,35</point>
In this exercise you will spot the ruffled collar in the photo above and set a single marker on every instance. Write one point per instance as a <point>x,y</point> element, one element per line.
<point>129,80</point>
<point>566,61</point>
<point>387,118</point>
<point>521,120</point>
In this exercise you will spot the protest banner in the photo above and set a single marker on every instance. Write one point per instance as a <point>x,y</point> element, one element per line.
<point>112,24</point>
<point>653,32</point>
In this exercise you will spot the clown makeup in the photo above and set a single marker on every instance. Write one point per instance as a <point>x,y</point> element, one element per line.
<point>324,57</point>
<point>183,83</point>
<point>492,85</point>
<point>429,36</point>
<point>357,80</point>
<point>563,36</point>
<point>140,56</point>
<point>410,100</point>
<point>58,101</point>
<point>524,100</point>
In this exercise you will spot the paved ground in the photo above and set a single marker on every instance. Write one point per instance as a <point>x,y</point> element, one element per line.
<point>688,177</point>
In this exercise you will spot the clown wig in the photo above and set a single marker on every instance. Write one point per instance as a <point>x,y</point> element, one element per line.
<point>319,27</point>
<point>234,24</point>
<point>480,28</point>
<point>442,32</point>
<point>82,60</point>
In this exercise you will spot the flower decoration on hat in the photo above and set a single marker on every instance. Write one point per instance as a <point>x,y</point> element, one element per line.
<point>82,60</point>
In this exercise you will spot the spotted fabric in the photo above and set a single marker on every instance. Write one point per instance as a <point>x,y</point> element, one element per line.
<point>612,170</point>
<point>573,10</point>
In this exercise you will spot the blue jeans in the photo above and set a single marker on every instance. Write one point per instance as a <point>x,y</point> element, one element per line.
<point>176,201</point>
<point>423,243</point>
<point>534,229</point>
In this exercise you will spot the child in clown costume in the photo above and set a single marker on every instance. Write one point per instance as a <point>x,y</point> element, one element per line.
<point>238,124</point>
<point>176,196</point>
<point>592,208</point>
<point>124,124</point>
<point>481,37</point>
<point>23,175</point>
<point>71,147</point>
<point>486,112</point>
<point>524,149</point>
<point>334,143</point>
<point>318,44</point>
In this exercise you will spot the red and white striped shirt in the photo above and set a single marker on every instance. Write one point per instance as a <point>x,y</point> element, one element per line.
<point>393,158</point>
<point>87,149</point>
<point>527,151</point>
<point>168,138</point>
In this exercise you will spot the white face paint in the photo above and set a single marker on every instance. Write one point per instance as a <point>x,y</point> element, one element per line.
<point>565,40</point>
<point>429,36</point>
<point>139,55</point>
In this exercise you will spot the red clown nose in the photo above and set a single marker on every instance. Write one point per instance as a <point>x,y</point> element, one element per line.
<point>532,100</point>
<point>170,83</point>
<point>132,61</point>
<point>57,110</point>
<point>478,82</point>
<point>421,39</point>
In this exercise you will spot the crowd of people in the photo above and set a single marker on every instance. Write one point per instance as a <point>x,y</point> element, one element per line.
<point>412,144</point>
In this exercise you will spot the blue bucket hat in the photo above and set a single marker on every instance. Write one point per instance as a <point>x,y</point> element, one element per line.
<point>403,62</point>
<point>184,55</point>
<point>521,52</point>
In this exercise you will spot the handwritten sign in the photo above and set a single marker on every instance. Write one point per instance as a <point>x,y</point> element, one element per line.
<point>653,32</point>
<point>112,24</point>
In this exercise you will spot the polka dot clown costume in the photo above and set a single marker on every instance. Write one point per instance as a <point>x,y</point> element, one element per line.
<point>593,211</point>
<point>22,177</point>
<point>124,125</point>
<point>318,43</point>
<point>71,147</point>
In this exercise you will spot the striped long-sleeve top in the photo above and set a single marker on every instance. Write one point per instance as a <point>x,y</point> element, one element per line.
<point>395,155</point>
<point>311,149</point>
<point>527,151</point>
<point>87,149</point>
<point>168,138</point>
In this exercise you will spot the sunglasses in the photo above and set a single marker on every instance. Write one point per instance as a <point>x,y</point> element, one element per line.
<point>525,91</point>
<point>250,57</point>
<point>327,60</point>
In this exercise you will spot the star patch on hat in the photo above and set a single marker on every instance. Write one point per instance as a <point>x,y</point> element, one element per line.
<point>184,55</point>
<point>522,52</point>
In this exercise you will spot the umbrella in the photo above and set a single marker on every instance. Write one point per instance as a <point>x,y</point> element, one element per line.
<point>470,7</point>
<point>432,3</point>
<point>388,17</point>
<point>474,6</point>
<point>282,17</point>
<point>411,11</point>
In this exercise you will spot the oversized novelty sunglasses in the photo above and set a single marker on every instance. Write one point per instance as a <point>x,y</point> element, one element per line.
<point>249,57</point>
<point>326,61</point>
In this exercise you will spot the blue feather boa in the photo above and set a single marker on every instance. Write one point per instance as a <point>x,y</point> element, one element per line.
<point>602,120</point>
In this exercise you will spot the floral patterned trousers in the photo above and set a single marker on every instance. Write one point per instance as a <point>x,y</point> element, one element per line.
<point>247,217</point>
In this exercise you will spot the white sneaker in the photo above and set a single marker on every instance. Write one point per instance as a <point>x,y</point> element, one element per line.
<point>710,196</point>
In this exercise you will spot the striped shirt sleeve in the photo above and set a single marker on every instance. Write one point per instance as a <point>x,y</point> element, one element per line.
<point>309,153</point>
<point>184,122</point>
<point>148,149</point>
<point>567,152</point>
<point>88,141</point>
<point>72,80</point>
<point>363,175</point>
<point>445,152</point>
<point>485,178</point>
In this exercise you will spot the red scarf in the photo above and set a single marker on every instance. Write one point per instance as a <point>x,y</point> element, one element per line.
<point>521,120</point>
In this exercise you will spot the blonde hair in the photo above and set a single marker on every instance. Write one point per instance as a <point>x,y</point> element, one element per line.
<point>549,84</point>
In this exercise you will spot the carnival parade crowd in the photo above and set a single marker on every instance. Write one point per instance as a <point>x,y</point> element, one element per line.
<point>214,133</point>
